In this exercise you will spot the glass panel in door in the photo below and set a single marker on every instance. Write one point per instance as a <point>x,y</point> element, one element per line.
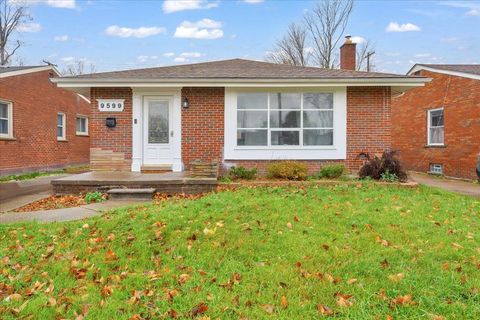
<point>158,123</point>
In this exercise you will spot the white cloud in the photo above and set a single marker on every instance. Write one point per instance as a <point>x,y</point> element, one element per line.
<point>405,27</point>
<point>67,4</point>
<point>169,54</point>
<point>180,59</point>
<point>68,59</point>
<point>357,39</point>
<point>191,54</point>
<point>473,12</point>
<point>29,27</point>
<point>422,55</point>
<point>142,58</point>
<point>61,38</point>
<point>142,32</point>
<point>253,1</point>
<point>203,29</point>
<point>170,6</point>
<point>472,6</point>
<point>309,50</point>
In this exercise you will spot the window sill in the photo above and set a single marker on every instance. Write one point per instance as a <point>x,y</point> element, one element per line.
<point>8,139</point>
<point>62,140</point>
<point>435,146</point>
<point>82,134</point>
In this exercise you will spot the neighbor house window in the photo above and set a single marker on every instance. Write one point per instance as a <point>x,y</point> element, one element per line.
<point>6,120</point>
<point>284,119</point>
<point>436,168</point>
<point>81,124</point>
<point>435,127</point>
<point>61,126</point>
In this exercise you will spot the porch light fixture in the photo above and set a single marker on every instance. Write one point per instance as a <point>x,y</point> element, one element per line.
<point>185,103</point>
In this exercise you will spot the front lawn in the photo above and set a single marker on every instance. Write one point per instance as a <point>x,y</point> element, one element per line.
<point>350,252</point>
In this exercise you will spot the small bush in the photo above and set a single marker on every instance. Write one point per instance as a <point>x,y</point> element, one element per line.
<point>242,173</point>
<point>94,197</point>
<point>331,171</point>
<point>389,176</point>
<point>290,170</point>
<point>375,167</point>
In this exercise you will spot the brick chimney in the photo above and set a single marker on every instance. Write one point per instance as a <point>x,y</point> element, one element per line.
<point>348,54</point>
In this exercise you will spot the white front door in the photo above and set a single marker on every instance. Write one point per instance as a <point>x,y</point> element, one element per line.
<point>158,131</point>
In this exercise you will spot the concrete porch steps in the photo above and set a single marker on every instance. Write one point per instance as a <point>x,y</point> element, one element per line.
<point>158,168</point>
<point>131,194</point>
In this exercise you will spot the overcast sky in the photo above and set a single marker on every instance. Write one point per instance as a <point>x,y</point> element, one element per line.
<point>116,35</point>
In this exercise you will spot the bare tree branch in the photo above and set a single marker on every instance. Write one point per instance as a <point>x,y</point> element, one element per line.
<point>291,49</point>
<point>78,67</point>
<point>363,50</point>
<point>326,25</point>
<point>12,15</point>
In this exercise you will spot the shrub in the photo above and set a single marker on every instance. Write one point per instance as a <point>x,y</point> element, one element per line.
<point>94,197</point>
<point>290,170</point>
<point>389,176</point>
<point>242,173</point>
<point>375,167</point>
<point>331,171</point>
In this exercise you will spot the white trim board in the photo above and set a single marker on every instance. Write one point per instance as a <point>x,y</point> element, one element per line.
<point>28,70</point>
<point>419,67</point>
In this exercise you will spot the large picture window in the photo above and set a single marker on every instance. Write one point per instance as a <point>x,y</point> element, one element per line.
<point>284,119</point>
<point>435,127</point>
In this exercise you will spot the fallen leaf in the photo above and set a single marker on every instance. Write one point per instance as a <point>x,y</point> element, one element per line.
<point>284,302</point>
<point>401,300</point>
<point>110,255</point>
<point>106,291</point>
<point>396,277</point>
<point>268,308</point>
<point>289,225</point>
<point>344,300</point>
<point>199,309</point>
<point>323,309</point>
<point>352,281</point>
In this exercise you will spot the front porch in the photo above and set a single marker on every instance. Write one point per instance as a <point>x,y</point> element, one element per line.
<point>168,182</point>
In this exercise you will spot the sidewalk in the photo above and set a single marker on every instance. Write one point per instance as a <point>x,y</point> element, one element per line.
<point>67,214</point>
<point>463,187</point>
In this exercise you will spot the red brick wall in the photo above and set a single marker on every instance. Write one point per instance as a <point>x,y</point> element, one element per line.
<point>368,123</point>
<point>203,124</point>
<point>36,102</point>
<point>111,148</point>
<point>368,128</point>
<point>460,98</point>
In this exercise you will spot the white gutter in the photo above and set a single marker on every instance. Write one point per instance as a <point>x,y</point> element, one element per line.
<point>29,70</point>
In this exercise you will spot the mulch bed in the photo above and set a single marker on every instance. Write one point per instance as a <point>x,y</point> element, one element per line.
<point>53,202</point>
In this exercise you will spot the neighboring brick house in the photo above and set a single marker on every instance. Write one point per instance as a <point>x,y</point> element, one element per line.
<point>238,112</point>
<point>41,126</point>
<point>436,128</point>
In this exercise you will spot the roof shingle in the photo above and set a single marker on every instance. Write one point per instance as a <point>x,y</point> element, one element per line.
<point>465,68</point>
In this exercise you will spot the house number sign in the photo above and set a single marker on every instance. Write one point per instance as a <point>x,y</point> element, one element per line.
<point>110,105</point>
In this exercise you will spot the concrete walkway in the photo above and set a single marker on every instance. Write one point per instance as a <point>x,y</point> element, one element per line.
<point>67,214</point>
<point>462,187</point>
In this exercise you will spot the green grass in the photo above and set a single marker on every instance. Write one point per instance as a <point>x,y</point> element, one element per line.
<point>240,251</point>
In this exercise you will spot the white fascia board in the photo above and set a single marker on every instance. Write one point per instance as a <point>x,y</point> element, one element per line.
<point>419,67</point>
<point>30,70</point>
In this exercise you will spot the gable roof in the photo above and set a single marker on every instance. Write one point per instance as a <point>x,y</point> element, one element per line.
<point>237,73</point>
<point>460,70</point>
<point>18,70</point>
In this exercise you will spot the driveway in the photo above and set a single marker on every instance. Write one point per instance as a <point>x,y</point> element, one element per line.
<point>463,187</point>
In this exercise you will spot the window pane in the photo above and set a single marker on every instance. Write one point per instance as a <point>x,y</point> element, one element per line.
<point>81,125</point>
<point>436,135</point>
<point>158,124</point>
<point>284,119</point>
<point>282,138</point>
<point>252,119</point>
<point>252,137</point>
<point>252,100</point>
<point>318,119</point>
<point>59,132</point>
<point>323,137</point>
<point>3,126</point>
<point>437,118</point>
<point>318,100</point>
<point>3,111</point>
<point>285,100</point>
<point>59,120</point>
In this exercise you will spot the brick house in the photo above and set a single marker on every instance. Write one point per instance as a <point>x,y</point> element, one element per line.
<point>41,126</point>
<point>238,112</point>
<point>437,127</point>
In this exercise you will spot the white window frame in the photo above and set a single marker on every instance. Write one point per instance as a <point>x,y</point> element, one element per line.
<point>9,134</point>
<point>80,133</point>
<point>64,126</point>
<point>330,152</point>
<point>429,126</point>
<point>297,129</point>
